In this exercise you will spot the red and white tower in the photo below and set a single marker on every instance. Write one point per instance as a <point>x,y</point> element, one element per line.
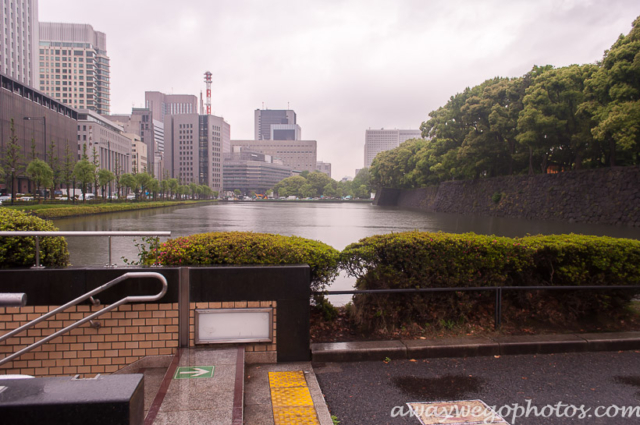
<point>207,79</point>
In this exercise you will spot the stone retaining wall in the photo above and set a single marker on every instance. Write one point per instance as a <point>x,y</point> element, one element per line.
<point>604,196</point>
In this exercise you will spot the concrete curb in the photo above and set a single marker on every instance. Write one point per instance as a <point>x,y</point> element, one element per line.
<point>474,346</point>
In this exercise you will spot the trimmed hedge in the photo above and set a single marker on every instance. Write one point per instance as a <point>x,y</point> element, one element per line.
<point>422,260</point>
<point>20,251</point>
<point>250,248</point>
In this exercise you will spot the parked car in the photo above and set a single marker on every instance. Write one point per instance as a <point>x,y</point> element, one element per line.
<point>26,198</point>
<point>131,197</point>
<point>87,196</point>
<point>5,198</point>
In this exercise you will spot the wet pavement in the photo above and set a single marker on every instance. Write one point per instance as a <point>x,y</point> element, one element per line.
<point>571,388</point>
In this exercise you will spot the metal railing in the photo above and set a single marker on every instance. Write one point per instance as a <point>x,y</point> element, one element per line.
<point>13,299</point>
<point>39,234</point>
<point>497,290</point>
<point>88,295</point>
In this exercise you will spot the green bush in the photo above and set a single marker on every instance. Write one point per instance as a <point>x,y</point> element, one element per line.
<point>422,260</point>
<point>250,248</point>
<point>19,251</point>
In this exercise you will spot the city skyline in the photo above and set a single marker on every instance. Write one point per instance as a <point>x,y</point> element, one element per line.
<point>343,67</point>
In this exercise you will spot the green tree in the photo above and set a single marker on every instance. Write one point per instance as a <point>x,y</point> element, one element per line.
<point>129,181</point>
<point>237,192</point>
<point>40,174</point>
<point>318,181</point>
<point>215,194</point>
<point>143,180</point>
<point>96,165</point>
<point>153,186</point>
<point>13,158</point>
<point>67,170</point>
<point>291,186</point>
<point>164,187</point>
<point>613,100</point>
<point>104,178</point>
<point>174,184</point>
<point>329,191</point>
<point>307,191</point>
<point>54,162</point>
<point>84,172</point>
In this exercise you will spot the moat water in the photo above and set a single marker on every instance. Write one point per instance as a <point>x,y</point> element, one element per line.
<point>337,225</point>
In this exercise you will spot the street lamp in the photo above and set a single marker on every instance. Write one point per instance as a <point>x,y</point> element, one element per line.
<point>44,121</point>
<point>13,185</point>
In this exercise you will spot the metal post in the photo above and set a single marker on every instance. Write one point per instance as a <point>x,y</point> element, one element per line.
<point>37,265</point>
<point>498,318</point>
<point>110,264</point>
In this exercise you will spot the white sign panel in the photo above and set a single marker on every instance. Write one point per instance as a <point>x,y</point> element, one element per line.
<point>218,326</point>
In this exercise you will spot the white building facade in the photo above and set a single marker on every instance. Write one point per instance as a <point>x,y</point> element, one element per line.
<point>376,141</point>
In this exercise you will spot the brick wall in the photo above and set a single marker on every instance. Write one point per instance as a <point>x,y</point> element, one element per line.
<point>126,334</point>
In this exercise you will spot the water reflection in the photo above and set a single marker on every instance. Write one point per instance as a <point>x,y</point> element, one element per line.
<point>335,224</point>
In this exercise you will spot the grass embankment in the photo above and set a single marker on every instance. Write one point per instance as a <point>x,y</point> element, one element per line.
<point>59,210</point>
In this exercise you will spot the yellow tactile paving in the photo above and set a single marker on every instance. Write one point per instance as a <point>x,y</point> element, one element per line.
<point>291,399</point>
<point>287,379</point>
<point>295,415</point>
<point>298,396</point>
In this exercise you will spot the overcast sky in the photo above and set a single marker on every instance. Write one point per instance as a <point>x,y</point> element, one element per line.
<point>343,65</point>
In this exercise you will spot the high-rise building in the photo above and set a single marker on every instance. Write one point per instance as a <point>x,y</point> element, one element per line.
<point>74,66</point>
<point>299,155</point>
<point>376,141</point>
<point>19,40</point>
<point>161,104</point>
<point>276,124</point>
<point>193,148</point>
<point>324,167</point>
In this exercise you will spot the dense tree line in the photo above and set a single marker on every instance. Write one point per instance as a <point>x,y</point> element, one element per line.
<point>551,119</point>
<point>317,184</point>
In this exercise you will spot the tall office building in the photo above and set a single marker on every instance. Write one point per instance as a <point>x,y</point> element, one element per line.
<point>19,40</point>
<point>276,124</point>
<point>161,104</point>
<point>376,141</point>
<point>299,155</point>
<point>74,66</point>
<point>193,148</point>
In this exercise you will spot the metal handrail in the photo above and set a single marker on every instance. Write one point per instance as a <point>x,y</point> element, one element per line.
<point>133,298</point>
<point>109,234</point>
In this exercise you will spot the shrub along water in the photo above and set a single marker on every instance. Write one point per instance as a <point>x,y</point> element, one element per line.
<point>422,260</point>
<point>20,251</point>
<point>250,248</point>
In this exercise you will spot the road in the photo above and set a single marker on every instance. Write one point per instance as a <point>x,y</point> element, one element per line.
<point>368,392</point>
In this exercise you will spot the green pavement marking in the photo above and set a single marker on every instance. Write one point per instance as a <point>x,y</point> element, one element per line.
<point>192,372</point>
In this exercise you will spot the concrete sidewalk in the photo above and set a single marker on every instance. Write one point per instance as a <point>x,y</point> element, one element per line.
<point>474,346</point>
